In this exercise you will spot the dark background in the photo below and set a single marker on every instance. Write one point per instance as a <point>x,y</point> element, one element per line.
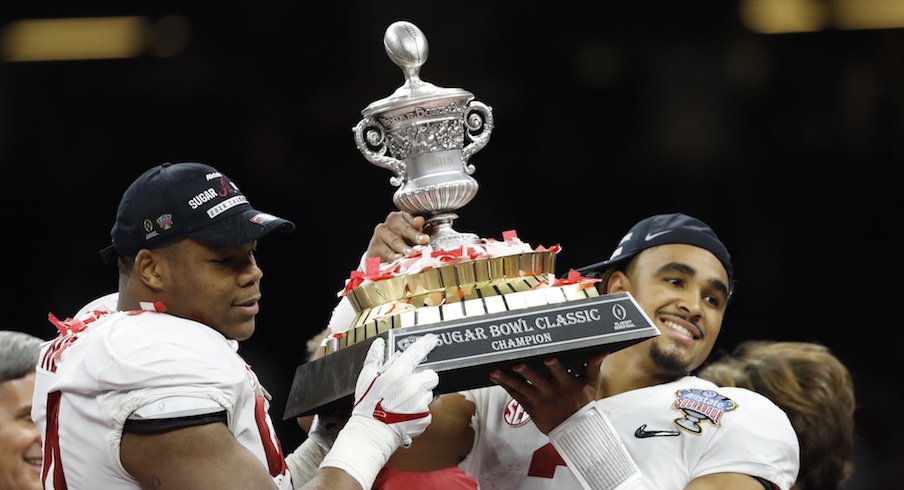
<point>789,145</point>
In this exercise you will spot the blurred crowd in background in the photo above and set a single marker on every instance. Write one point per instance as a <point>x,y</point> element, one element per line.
<point>778,122</point>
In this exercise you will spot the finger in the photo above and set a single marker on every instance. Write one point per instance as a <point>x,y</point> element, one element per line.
<point>399,220</point>
<point>408,228</point>
<point>513,384</point>
<point>559,372</point>
<point>592,369</point>
<point>416,402</point>
<point>513,391</point>
<point>536,380</point>
<point>418,223</point>
<point>377,247</point>
<point>375,355</point>
<point>418,351</point>
<point>386,253</point>
<point>427,379</point>
<point>406,440</point>
<point>411,394</point>
<point>396,217</point>
<point>395,241</point>
<point>386,240</point>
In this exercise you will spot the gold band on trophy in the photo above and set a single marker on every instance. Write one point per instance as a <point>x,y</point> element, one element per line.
<point>449,292</point>
<point>498,296</point>
<point>470,273</point>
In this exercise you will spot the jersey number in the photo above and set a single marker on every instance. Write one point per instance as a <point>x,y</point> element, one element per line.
<point>276,462</point>
<point>544,462</point>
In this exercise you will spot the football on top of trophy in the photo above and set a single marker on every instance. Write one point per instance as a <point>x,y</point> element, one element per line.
<point>405,44</point>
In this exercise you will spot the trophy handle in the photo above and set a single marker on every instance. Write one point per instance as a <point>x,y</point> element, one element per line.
<point>478,117</point>
<point>371,142</point>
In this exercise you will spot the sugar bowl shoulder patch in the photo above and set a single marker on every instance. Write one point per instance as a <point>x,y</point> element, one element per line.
<point>701,406</point>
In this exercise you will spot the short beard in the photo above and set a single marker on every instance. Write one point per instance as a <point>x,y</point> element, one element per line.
<point>668,363</point>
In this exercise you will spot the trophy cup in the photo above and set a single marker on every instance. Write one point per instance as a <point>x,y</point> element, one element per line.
<point>488,312</point>
<point>419,133</point>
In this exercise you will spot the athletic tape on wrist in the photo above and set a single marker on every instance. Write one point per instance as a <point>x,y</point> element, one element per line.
<point>305,460</point>
<point>362,449</point>
<point>588,443</point>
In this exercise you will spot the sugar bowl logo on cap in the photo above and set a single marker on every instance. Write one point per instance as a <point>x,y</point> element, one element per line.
<point>188,199</point>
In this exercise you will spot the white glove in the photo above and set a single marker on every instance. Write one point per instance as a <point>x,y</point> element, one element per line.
<point>391,407</point>
<point>395,393</point>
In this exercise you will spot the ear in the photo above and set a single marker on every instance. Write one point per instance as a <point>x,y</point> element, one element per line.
<point>618,281</point>
<point>151,267</point>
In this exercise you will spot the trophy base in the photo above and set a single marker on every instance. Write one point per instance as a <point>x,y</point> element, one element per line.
<point>443,237</point>
<point>470,347</point>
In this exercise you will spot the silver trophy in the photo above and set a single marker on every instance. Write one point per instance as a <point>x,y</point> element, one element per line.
<point>419,133</point>
<point>489,312</point>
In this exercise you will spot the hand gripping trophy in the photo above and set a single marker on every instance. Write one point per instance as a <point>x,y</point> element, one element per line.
<point>419,133</point>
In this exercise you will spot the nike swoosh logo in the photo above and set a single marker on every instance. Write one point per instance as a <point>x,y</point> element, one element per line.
<point>642,433</point>
<point>651,236</point>
<point>394,418</point>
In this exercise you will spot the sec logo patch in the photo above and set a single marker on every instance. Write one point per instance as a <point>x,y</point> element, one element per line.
<point>514,415</point>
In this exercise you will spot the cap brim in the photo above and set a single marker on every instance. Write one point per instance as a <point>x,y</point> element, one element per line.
<point>109,254</point>
<point>604,265</point>
<point>241,228</point>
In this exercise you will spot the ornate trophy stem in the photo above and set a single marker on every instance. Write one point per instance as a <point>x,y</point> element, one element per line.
<point>419,133</point>
<point>442,236</point>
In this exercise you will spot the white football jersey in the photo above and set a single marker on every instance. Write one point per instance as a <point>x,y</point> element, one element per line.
<point>140,364</point>
<point>104,304</point>
<point>675,432</point>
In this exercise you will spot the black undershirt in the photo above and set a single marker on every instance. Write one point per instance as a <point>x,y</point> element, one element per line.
<point>156,426</point>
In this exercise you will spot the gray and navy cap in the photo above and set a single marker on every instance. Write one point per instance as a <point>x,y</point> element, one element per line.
<point>663,229</point>
<point>188,199</point>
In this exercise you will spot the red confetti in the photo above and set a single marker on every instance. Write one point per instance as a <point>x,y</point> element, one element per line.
<point>575,277</point>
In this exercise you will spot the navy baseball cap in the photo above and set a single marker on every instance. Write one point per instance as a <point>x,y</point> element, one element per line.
<point>663,229</point>
<point>188,199</point>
